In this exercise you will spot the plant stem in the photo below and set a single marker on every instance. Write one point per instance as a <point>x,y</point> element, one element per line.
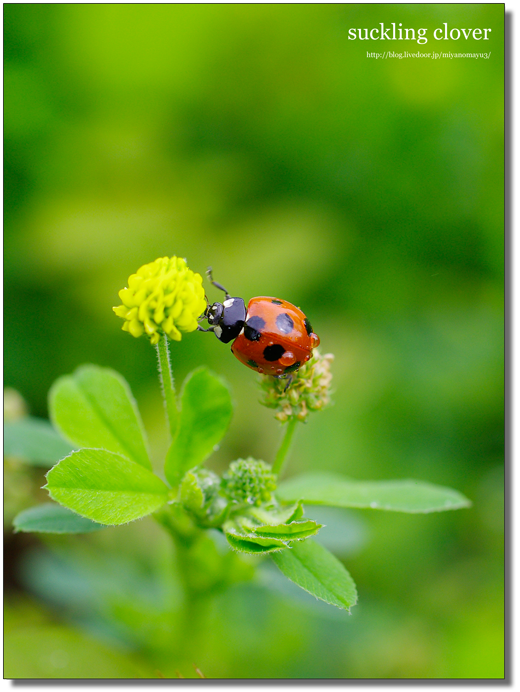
<point>184,536</point>
<point>284,447</point>
<point>167,384</point>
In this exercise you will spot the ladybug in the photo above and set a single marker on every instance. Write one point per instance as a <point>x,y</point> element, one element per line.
<point>271,336</point>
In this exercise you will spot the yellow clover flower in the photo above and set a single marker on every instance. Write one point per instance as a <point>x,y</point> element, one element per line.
<point>163,296</point>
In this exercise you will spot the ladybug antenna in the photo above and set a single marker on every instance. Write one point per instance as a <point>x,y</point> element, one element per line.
<point>209,273</point>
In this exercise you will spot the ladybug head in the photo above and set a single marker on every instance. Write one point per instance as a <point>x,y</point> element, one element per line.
<point>227,318</point>
<point>214,313</point>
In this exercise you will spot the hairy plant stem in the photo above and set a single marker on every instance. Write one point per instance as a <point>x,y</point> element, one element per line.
<point>177,524</point>
<point>185,536</point>
<point>284,447</point>
<point>167,385</point>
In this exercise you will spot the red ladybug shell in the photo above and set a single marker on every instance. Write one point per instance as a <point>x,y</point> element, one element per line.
<point>277,337</point>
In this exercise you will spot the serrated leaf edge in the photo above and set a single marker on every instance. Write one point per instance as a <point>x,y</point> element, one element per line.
<point>101,449</point>
<point>131,398</point>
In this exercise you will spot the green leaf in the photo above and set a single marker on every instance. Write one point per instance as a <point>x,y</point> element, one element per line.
<point>206,411</point>
<point>245,535</point>
<point>240,536</point>
<point>191,494</point>
<point>314,569</point>
<point>397,496</point>
<point>94,407</point>
<point>34,441</point>
<point>53,518</point>
<point>289,532</point>
<point>105,487</point>
<point>277,515</point>
<point>255,546</point>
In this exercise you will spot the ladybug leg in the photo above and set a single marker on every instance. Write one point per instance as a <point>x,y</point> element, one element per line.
<point>289,379</point>
<point>209,273</point>
<point>201,329</point>
<point>204,315</point>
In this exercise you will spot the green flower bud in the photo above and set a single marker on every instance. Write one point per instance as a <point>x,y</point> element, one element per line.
<point>164,296</point>
<point>309,389</point>
<point>250,482</point>
<point>199,495</point>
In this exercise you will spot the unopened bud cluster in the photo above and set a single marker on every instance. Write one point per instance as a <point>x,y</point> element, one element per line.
<point>248,481</point>
<point>308,391</point>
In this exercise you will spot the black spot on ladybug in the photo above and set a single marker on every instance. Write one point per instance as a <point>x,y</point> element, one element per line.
<point>284,323</point>
<point>253,328</point>
<point>274,352</point>
<point>293,367</point>
<point>276,302</point>
<point>308,326</point>
<point>252,363</point>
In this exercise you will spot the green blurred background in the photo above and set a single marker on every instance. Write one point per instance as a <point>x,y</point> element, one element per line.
<point>260,140</point>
